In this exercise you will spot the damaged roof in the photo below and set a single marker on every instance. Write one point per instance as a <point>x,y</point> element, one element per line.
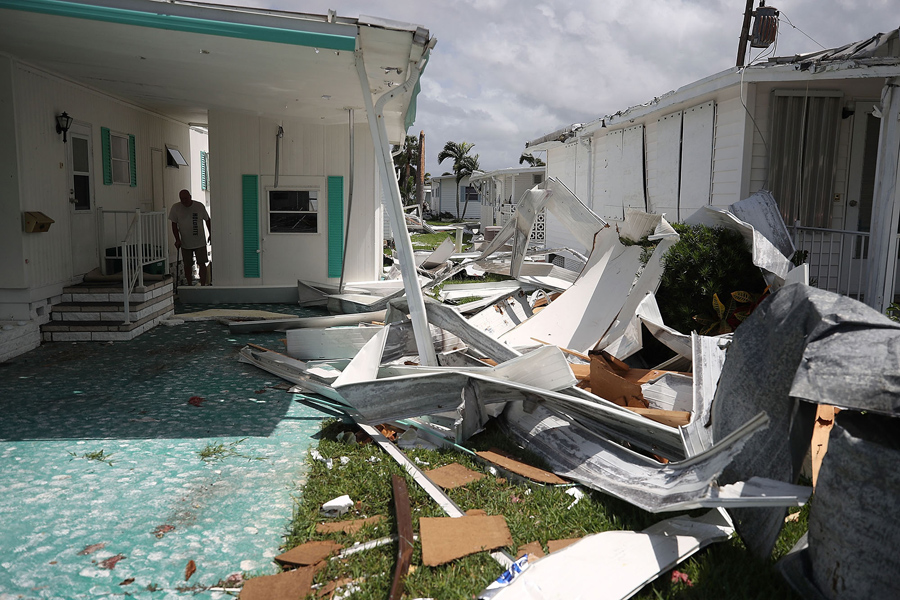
<point>878,55</point>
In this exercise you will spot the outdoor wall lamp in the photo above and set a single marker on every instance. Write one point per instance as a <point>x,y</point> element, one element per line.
<point>63,123</point>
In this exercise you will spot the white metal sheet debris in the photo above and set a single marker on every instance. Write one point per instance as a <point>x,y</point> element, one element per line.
<point>615,564</point>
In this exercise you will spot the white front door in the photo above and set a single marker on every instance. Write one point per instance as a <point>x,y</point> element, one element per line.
<point>861,185</point>
<point>82,217</point>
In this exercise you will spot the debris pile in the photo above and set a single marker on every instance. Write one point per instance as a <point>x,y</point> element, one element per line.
<point>557,359</point>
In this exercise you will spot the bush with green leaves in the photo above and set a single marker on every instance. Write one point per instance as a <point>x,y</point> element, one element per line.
<point>706,264</point>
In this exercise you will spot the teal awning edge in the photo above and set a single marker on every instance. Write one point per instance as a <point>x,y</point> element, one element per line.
<point>411,110</point>
<point>187,24</point>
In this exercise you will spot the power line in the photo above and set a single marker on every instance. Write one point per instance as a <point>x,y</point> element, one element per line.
<point>801,31</point>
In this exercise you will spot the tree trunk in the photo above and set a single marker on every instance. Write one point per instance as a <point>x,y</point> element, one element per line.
<point>420,176</point>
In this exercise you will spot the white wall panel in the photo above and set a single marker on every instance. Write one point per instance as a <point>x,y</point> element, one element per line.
<point>666,168</point>
<point>633,195</point>
<point>696,157</point>
<point>610,202</point>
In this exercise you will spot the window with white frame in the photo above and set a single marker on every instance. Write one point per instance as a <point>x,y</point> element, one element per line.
<point>293,211</point>
<point>120,158</point>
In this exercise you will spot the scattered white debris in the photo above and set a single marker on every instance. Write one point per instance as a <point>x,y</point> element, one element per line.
<point>575,493</point>
<point>337,506</point>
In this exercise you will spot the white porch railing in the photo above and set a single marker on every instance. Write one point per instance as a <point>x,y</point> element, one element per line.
<point>140,239</point>
<point>838,259</point>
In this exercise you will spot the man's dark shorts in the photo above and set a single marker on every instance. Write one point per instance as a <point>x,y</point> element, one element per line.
<point>187,255</point>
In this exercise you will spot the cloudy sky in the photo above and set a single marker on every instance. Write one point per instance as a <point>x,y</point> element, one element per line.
<point>508,71</point>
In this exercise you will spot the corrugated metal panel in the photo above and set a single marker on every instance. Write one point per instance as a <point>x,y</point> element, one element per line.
<point>696,157</point>
<point>250,198</point>
<point>335,226</point>
<point>663,195</point>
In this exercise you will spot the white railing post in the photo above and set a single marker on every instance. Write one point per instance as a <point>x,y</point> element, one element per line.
<point>101,252</point>
<point>126,280</point>
<point>139,254</point>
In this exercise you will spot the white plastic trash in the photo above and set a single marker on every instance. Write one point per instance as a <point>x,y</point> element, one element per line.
<point>337,507</point>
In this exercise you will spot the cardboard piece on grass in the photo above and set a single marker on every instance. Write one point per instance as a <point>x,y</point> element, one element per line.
<point>557,545</point>
<point>283,586</point>
<point>532,549</point>
<point>446,538</point>
<point>453,475</point>
<point>348,526</point>
<point>520,468</point>
<point>308,554</point>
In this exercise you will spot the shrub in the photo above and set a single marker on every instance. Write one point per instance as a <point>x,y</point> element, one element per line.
<point>701,273</point>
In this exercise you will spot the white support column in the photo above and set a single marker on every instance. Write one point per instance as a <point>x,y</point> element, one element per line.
<point>395,206</point>
<point>882,265</point>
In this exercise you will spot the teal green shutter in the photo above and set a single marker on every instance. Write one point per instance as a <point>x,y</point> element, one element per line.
<point>107,160</point>
<point>203,172</point>
<point>250,195</point>
<point>132,158</point>
<point>335,226</point>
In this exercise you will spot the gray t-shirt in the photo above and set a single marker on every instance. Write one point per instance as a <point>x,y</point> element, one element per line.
<point>190,224</point>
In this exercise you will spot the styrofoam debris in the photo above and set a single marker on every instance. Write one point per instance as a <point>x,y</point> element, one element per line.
<point>575,493</point>
<point>337,506</point>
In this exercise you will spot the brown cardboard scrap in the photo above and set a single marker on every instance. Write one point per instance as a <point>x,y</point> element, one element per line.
<point>476,512</point>
<point>446,538</point>
<point>453,475</point>
<point>289,585</point>
<point>510,464</point>
<point>347,526</point>
<point>307,554</point>
<point>555,545</point>
<point>532,549</point>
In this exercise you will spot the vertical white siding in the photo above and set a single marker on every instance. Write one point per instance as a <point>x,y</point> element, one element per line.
<point>44,185</point>
<point>728,150</point>
<point>561,164</point>
<point>310,153</point>
<point>12,266</point>
<point>696,157</point>
<point>664,171</point>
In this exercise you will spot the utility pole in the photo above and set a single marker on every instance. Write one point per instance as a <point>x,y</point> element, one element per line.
<point>745,33</point>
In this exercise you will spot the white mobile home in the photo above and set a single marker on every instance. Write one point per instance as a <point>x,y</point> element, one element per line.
<point>446,192</point>
<point>500,190</point>
<point>298,108</point>
<point>818,130</point>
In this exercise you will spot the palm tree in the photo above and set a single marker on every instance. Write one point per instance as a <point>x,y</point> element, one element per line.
<point>406,164</point>
<point>533,161</point>
<point>463,163</point>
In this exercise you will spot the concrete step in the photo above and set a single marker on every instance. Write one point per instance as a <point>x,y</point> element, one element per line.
<point>108,311</point>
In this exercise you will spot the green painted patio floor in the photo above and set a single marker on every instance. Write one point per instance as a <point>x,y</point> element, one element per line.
<point>158,505</point>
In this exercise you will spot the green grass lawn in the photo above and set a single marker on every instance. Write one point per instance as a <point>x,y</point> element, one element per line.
<point>532,512</point>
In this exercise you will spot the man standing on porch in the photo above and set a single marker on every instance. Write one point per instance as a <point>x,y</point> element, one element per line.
<point>187,219</point>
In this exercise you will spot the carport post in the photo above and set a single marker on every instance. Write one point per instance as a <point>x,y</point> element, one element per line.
<point>395,205</point>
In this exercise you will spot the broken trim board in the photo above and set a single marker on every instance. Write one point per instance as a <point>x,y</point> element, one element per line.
<point>520,468</point>
<point>298,322</point>
<point>615,564</point>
